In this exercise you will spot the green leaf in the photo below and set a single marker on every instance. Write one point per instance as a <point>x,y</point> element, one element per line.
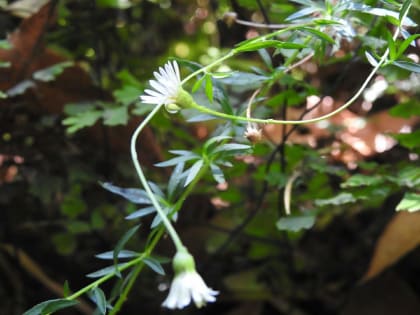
<point>362,8</point>
<point>82,120</point>
<point>128,79</point>
<point>409,140</point>
<point>193,171</point>
<point>50,306</point>
<point>198,84</point>
<point>66,289</point>
<point>209,87</point>
<point>104,271</point>
<point>135,195</point>
<point>406,109</point>
<point>115,4</point>
<point>391,46</point>
<point>120,245</point>
<point>410,202</point>
<point>318,34</point>
<point>140,213</point>
<point>155,265</point>
<point>116,116</point>
<point>175,179</point>
<point>50,73</point>
<point>362,180</point>
<point>177,160</point>
<point>404,9</point>
<point>217,173</point>
<point>5,44</point>
<point>127,94</point>
<point>260,44</point>
<point>407,42</point>
<point>295,223</point>
<point>303,12</point>
<point>121,255</point>
<point>341,198</point>
<point>231,147</point>
<point>371,59</point>
<point>100,299</point>
<point>407,65</point>
<point>5,64</point>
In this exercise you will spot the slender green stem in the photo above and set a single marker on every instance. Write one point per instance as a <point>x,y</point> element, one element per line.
<point>123,267</point>
<point>123,297</point>
<point>169,227</point>
<point>235,51</point>
<point>304,121</point>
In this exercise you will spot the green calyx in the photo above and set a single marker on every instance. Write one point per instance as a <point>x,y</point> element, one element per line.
<point>183,262</point>
<point>182,100</point>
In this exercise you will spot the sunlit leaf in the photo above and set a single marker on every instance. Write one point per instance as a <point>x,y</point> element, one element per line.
<point>358,180</point>
<point>371,59</point>
<point>341,198</point>
<point>409,140</point>
<point>5,44</point>
<point>209,88</point>
<point>406,109</point>
<point>410,202</point>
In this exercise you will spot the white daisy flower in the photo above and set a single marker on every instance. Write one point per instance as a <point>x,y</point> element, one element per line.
<point>187,285</point>
<point>166,87</point>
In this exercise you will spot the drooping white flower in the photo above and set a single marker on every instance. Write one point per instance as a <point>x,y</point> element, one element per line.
<point>187,284</point>
<point>166,87</point>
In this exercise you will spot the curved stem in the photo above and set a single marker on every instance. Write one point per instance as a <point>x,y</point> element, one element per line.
<point>169,227</point>
<point>304,121</point>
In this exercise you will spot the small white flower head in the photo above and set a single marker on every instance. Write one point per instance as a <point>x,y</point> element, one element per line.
<point>253,133</point>
<point>166,87</point>
<point>187,284</point>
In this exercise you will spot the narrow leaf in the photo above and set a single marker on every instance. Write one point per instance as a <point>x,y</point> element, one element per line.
<point>122,254</point>
<point>140,213</point>
<point>134,195</point>
<point>371,59</point>
<point>217,173</point>
<point>175,161</point>
<point>232,147</point>
<point>318,34</point>
<point>407,65</point>
<point>121,243</point>
<point>193,171</point>
<point>102,272</point>
<point>100,299</point>
<point>209,88</point>
<point>198,84</point>
<point>50,306</point>
<point>154,265</point>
